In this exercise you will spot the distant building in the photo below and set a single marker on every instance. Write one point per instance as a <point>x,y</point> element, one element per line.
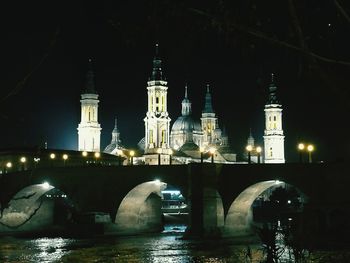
<point>89,130</point>
<point>189,139</point>
<point>273,135</point>
<point>115,146</point>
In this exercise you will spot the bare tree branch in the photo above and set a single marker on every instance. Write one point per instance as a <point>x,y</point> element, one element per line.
<point>22,82</point>
<point>263,36</point>
<point>342,11</point>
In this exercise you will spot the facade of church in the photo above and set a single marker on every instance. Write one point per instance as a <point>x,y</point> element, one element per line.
<point>187,140</point>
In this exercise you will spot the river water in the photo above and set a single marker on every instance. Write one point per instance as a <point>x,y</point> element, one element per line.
<point>167,247</point>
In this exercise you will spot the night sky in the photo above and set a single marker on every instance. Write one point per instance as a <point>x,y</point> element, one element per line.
<point>232,45</point>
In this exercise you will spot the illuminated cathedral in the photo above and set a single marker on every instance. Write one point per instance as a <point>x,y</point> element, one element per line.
<point>187,139</point>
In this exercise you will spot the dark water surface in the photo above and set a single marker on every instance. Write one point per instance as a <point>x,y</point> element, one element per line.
<point>165,247</point>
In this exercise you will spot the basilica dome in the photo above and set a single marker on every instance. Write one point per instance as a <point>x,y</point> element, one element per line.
<point>185,124</point>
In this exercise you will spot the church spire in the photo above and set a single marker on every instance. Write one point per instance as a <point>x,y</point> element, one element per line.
<point>186,105</point>
<point>115,125</point>
<point>250,140</point>
<point>157,66</point>
<point>115,133</point>
<point>208,108</point>
<point>90,80</point>
<point>272,99</point>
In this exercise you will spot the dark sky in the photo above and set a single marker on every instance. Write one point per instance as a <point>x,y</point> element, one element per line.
<point>232,45</point>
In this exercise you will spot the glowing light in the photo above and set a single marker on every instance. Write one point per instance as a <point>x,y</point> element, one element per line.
<point>23,159</point>
<point>97,155</point>
<point>310,148</point>
<point>45,185</point>
<point>36,159</point>
<point>119,152</point>
<point>290,219</point>
<point>132,153</point>
<point>201,149</point>
<point>258,149</point>
<point>84,153</point>
<point>157,181</point>
<point>172,192</point>
<point>212,150</point>
<point>52,156</point>
<point>8,164</point>
<point>249,148</point>
<point>301,146</point>
<point>277,182</point>
<point>65,156</point>
<point>289,202</point>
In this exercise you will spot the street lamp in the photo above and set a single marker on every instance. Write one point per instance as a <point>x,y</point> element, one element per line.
<point>84,154</point>
<point>170,156</point>
<point>36,161</point>
<point>301,148</point>
<point>249,148</point>
<point>258,151</point>
<point>310,149</point>
<point>97,155</point>
<point>9,165</point>
<point>201,149</point>
<point>132,153</point>
<point>212,152</point>
<point>65,158</point>
<point>159,151</point>
<point>23,161</point>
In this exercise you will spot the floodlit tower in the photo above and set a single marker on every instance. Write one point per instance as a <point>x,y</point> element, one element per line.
<point>250,140</point>
<point>209,121</point>
<point>115,133</point>
<point>89,130</point>
<point>273,135</point>
<point>157,121</point>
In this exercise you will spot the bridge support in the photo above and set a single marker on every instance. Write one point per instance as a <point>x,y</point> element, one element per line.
<point>206,209</point>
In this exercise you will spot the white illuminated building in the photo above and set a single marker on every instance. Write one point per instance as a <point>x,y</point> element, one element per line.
<point>157,121</point>
<point>190,139</point>
<point>273,135</point>
<point>89,130</point>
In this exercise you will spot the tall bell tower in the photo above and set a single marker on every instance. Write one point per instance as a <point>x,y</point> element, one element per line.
<point>209,121</point>
<point>89,130</point>
<point>157,121</point>
<point>273,135</point>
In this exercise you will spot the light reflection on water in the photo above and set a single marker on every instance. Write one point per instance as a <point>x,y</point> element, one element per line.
<point>161,248</point>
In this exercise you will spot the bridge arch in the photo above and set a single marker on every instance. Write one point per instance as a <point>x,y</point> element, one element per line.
<point>239,217</point>
<point>140,209</point>
<point>27,210</point>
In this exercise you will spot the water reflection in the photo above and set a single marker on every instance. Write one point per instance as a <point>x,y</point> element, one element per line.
<point>49,249</point>
<point>162,248</point>
<point>36,250</point>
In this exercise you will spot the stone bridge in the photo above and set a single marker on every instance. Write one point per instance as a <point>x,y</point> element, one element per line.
<point>219,196</point>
